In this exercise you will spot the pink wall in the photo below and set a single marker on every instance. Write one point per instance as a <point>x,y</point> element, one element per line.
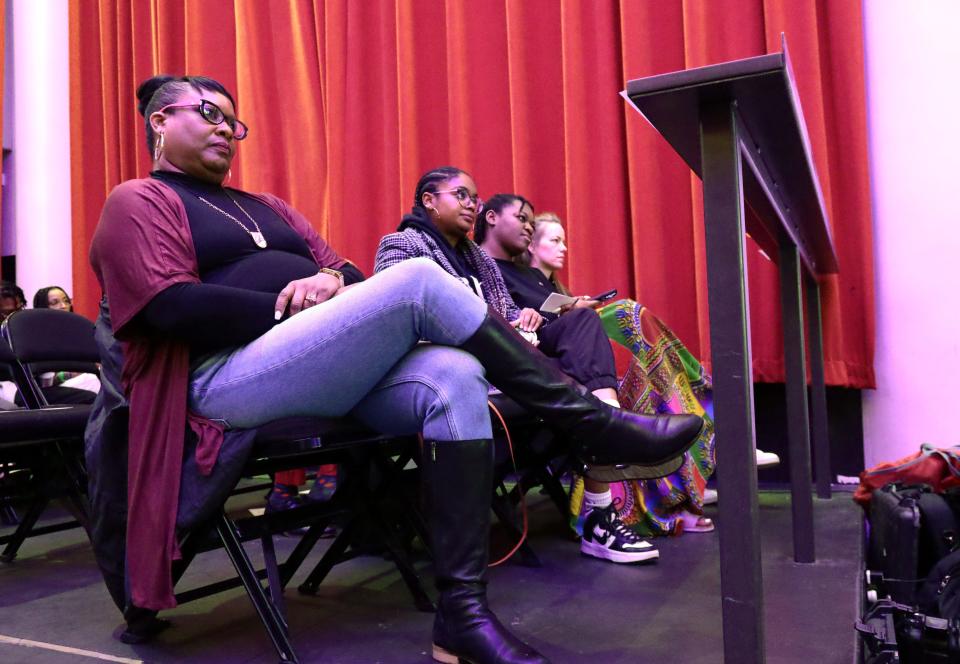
<point>40,183</point>
<point>913,107</point>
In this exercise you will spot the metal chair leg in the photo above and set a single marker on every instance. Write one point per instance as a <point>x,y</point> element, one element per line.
<point>273,575</point>
<point>333,555</point>
<point>407,571</point>
<point>271,618</point>
<point>23,530</point>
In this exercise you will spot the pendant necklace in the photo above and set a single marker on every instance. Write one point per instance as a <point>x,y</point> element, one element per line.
<point>255,234</point>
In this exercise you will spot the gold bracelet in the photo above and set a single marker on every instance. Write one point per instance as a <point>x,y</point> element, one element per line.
<point>334,273</point>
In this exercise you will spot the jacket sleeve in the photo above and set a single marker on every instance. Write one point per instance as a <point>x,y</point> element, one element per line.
<point>395,248</point>
<point>141,246</point>
<point>510,309</point>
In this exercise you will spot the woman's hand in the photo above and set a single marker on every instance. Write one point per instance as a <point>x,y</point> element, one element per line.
<point>528,321</point>
<point>531,337</point>
<point>585,302</point>
<point>582,302</point>
<point>304,293</point>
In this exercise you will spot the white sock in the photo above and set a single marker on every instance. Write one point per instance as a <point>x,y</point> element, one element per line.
<point>591,500</point>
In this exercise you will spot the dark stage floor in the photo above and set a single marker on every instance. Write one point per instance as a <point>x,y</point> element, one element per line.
<point>574,609</point>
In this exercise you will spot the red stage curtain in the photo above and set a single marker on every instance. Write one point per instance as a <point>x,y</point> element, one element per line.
<point>348,102</point>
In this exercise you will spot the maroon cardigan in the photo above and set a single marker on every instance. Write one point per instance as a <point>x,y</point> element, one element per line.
<point>142,245</point>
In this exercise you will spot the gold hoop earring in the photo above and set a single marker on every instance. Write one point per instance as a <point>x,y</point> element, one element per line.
<point>226,180</point>
<point>433,210</point>
<point>158,148</point>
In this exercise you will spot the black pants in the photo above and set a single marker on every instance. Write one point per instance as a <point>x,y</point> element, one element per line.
<point>577,342</point>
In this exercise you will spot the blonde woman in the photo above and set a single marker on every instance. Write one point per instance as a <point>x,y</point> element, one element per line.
<point>663,377</point>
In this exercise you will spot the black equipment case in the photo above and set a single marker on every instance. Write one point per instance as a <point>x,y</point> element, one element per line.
<point>910,529</point>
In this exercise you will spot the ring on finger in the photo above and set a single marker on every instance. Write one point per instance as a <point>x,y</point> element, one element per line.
<point>311,298</point>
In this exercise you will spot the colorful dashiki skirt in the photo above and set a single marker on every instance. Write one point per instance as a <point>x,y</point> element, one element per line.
<point>663,377</point>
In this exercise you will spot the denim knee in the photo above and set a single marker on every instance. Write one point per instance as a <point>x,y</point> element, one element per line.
<point>458,310</point>
<point>459,411</point>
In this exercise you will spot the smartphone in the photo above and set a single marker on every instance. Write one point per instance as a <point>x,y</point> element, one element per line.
<point>603,297</point>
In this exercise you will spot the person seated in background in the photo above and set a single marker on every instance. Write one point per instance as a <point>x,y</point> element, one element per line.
<point>233,312</point>
<point>55,297</point>
<point>52,297</point>
<point>11,299</point>
<point>445,207</point>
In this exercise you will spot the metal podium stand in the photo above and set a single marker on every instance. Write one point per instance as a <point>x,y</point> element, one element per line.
<point>740,127</point>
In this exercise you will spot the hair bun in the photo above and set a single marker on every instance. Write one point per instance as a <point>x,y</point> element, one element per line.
<point>147,89</point>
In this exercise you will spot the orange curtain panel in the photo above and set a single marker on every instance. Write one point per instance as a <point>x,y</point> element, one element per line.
<point>349,102</point>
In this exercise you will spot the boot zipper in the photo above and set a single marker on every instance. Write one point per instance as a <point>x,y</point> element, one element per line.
<point>433,450</point>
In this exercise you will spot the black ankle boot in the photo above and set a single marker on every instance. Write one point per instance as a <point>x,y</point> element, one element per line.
<point>606,435</point>
<point>458,481</point>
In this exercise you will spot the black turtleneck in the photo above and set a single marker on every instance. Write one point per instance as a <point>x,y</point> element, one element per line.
<point>226,254</point>
<point>528,286</point>
<point>235,302</point>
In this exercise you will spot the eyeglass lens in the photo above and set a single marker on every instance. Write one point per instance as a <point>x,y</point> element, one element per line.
<point>463,195</point>
<point>212,114</point>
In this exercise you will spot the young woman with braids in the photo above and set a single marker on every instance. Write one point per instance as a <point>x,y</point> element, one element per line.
<point>233,313</point>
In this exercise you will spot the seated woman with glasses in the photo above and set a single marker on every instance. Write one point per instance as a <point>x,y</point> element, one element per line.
<point>233,313</point>
<point>663,376</point>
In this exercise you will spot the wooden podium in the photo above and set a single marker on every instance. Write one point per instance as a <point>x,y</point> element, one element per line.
<point>740,127</point>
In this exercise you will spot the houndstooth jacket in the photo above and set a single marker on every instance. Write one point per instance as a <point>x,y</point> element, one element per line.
<point>414,243</point>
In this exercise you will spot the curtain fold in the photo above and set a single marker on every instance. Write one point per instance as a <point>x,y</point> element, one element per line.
<point>348,102</point>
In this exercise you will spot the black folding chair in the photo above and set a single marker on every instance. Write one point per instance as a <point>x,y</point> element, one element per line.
<point>45,341</point>
<point>539,457</point>
<point>296,443</point>
<point>41,446</point>
<point>282,445</point>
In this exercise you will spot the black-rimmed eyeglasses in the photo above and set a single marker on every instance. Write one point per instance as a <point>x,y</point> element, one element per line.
<point>212,114</point>
<point>462,194</point>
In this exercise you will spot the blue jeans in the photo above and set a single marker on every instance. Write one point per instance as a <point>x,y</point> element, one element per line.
<point>360,353</point>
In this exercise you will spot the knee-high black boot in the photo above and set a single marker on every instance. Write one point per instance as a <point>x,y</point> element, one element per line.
<point>458,479</point>
<point>606,435</point>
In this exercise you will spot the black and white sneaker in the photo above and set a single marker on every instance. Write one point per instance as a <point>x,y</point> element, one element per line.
<point>605,536</point>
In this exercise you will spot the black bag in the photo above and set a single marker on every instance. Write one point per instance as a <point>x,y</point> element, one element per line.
<point>911,530</point>
<point>894,633</point>
<point>940,593</point>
